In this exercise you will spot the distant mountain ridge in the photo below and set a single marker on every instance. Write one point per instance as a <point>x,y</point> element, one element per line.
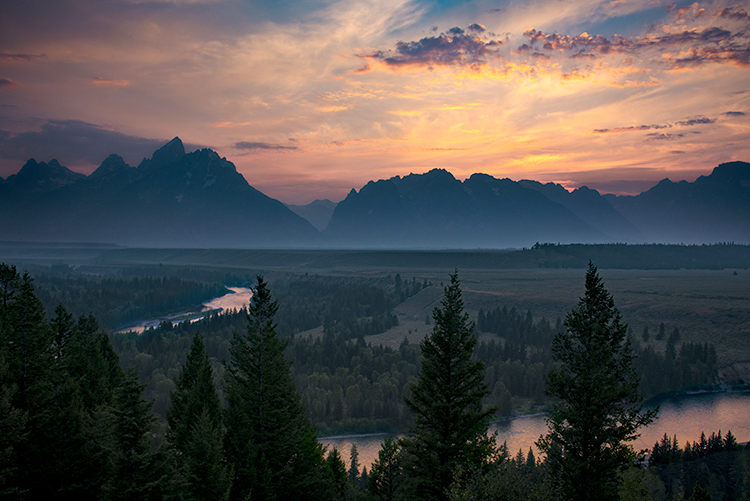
<point>197,199</point>
<point>714,208</point>
<point>173,199</point>
<point>318,212</point>
<point>437,210</point>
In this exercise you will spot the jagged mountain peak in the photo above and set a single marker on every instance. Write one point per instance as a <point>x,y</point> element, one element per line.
<point>170,153</point>
<point>111,164</point>
<point>41,177</point>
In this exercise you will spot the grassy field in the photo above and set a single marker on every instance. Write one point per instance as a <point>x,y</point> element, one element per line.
<point>705,304</point>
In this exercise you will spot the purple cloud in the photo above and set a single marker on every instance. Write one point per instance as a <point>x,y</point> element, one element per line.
<point>713,44</point>
<point>690,122</point>
<point>74,142</point>
<point>257,146</point>
<point>5,56</point>
<point>661,136</point>
<point>738,15</point>
<point>696,121</point>
<point>454,48</point>
<point>631,128</point>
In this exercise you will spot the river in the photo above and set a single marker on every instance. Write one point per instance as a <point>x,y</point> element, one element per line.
<point>236,299</point>
<point>684,416</point>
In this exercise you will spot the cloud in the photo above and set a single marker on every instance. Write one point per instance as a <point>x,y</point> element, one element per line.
<point>6,83</point>
<point>6,56</point>
<point>454,48</point>
<point>660,136</point>
<point>734,113</point>
<point>584,41</point>
<point>106,82</point>
<point>694,46</point>
<point>257,146</point>
<point>690,122</point>
<point>75,143</point>
<point>696,121</point>
<point>630,128</point>
<point>738,15</point>
<point>223,125</point>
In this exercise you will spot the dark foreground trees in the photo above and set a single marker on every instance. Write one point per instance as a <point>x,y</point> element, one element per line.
<point>72,426</point>
<point>270,442</point>
<point>598,407</point>
<point>450,425</point>
<point>196,431</point>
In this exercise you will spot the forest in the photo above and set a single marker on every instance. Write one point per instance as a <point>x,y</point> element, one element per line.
<point>120,417</point>
<point>350,386</point>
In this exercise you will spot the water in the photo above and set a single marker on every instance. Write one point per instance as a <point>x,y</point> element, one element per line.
<point>684,416</point>
<point>238,298</point>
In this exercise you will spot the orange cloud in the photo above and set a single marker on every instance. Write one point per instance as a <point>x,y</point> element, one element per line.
<point>106,82</point>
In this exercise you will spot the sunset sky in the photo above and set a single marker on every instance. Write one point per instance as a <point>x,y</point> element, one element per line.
<point>312,98</point>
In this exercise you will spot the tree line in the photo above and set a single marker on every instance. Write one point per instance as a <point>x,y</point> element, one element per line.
<point>119,301</point>
<point>350,386</point>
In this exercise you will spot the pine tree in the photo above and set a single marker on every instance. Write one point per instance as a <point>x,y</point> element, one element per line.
<point>135,473</point>
<point>450,426</point>
<point>337,472</point>
<point>206,472</point>
<point>12,432</point>
<point>25,346</point>
<point>598,406</point>
<point>354,475</point>
<point>195,431</point>
<point>270,441</point>
<point>59,382</point>
<point>386,479</point>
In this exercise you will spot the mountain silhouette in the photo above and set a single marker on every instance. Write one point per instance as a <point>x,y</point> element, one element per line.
<point>198,199</point>
<point>173,199</point>
<point>318,212</point>
<point>437,210</point>
<point>714,208</point>
<point>592,208</point>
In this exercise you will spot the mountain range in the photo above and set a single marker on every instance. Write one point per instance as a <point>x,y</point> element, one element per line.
<point>198,199</point>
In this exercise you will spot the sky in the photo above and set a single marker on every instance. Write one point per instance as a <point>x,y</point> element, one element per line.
<point>310,99</point>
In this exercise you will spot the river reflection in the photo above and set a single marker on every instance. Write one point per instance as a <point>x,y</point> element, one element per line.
<point>685,417</point>
<point>236,299</point>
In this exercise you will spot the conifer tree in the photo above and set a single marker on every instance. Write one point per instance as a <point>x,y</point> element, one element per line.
<point>598,407</point>
<point>12,432</point>
<point>270,442</point>
<point>337,471</point>
<point>354,466</point>
<point>135,473</point>
<point>355,478</point>
<point>59,382</point>
<point>450,425</point>
<point>25,346</point>
<point>195,431</point>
